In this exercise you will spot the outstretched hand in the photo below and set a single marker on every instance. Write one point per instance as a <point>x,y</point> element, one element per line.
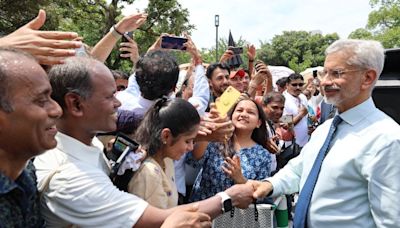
<point>261,188</point>
<point>131,22</point>
<point>48,47</point>
<point>187,218</point>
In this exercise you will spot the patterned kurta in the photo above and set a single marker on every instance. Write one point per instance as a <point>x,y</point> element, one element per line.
<point>255,162</point>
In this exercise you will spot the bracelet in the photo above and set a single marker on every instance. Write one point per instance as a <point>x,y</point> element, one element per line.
<point>115,32</point>
<point>251,60</point>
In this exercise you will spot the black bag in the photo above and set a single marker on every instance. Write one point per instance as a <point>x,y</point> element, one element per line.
<point>288,153</point>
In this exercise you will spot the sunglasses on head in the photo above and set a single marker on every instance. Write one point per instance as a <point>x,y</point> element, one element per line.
<point>297,84</point>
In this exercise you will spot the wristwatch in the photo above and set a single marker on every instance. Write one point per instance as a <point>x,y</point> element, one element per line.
<point>226,202</point>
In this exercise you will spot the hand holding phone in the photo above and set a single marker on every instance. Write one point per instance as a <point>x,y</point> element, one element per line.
<point>227,100</point>
<point>173,42</point>
<point>125,40</point>
<point>286,119</point>
<point>236,50</point>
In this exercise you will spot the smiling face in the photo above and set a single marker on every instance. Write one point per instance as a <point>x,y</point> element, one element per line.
<point>346,91</point>
<point>101,107</point>
<point>245,116</point>
<point>31,126</point>
<point>219,81</point>
<point>274,110</point>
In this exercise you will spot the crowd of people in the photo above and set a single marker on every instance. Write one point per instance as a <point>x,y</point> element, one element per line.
<point>319,136</point>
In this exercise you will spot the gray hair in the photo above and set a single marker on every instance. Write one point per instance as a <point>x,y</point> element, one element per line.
<point>6,78</point>
<point>71,77</point>
<point>368,54</point>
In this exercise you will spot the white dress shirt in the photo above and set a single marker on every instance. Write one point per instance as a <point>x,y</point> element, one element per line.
<point>292,106</point>
<point>80,192</point>
<point>132,100</point>
<point>358,185</point>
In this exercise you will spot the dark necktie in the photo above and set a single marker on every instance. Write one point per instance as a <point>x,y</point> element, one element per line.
<point>300,218</point>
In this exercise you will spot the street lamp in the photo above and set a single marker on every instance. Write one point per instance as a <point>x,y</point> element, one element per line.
<point>216,37</point>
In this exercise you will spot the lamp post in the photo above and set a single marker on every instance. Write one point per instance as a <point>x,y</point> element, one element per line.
<point>216,37</point>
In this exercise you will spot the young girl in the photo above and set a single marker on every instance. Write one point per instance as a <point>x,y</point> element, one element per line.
<point>166,133</point>
<point>245,157</point>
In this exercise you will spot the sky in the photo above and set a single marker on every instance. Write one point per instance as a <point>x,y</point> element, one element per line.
<point>261,20</point>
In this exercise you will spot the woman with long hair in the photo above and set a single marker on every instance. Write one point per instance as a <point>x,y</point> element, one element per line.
<point>244,156</point>
<point>166,133</point>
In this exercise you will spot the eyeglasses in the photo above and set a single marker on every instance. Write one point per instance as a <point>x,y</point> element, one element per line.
<point>336,73</point>
<point>297,84</point>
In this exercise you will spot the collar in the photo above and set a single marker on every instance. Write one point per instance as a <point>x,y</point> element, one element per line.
<point>145,103</point>
<point>132,83</point>
<point>23,181</point>
<point>359,112</point>
<point>72,147</point>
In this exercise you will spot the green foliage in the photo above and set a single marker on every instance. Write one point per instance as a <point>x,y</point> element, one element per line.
<point>297,50</point>
<point>14,14</point>
<point>383,23</point>
<point>92,19</point>
<point>361,33</point>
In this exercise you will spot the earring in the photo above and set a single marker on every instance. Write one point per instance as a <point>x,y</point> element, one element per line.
<point>164,142</point>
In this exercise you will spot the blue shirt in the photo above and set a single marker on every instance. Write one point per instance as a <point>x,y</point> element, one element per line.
<point>19,200</point>
<point>358,185</point>
<point>255,162</point>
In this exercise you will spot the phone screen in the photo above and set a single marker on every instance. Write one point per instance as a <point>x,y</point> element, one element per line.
<point>286,119</point>
<point>121,143</point>
<point>172,42</point>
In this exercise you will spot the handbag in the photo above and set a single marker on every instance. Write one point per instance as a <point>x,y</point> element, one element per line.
<point>287,153</point>
<point>262,215</point>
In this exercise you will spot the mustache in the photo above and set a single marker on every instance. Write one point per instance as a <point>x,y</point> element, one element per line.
<point>332,87</point>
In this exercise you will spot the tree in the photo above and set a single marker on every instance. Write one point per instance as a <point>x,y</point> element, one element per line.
<point>383,23</point>
<point>92,19</point>
<point>297,50</point>
<point>361,33</point>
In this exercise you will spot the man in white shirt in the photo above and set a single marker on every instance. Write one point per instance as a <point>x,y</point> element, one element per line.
<point>296,106</point>
<point>73,177</point>
<point>357,185</point>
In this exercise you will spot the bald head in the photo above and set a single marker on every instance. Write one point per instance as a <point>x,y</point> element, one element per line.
<point>14,64</point>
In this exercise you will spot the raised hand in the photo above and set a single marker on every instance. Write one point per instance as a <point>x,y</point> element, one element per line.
<point>233,169</point>
<point>251,52</point>
<point>48,47</point>
<point>130,47</point>
<point>131,22</point>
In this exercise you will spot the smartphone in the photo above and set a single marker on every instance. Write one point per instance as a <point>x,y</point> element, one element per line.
<point>236,50</point>
<point>227,100</point>
<point>120,144</point>
<point>120,149</point>
<point>173,42</point>
<point>286,119</point>
<point>125,40</point>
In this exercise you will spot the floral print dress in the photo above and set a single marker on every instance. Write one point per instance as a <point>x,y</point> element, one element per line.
<point>255,163</point>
